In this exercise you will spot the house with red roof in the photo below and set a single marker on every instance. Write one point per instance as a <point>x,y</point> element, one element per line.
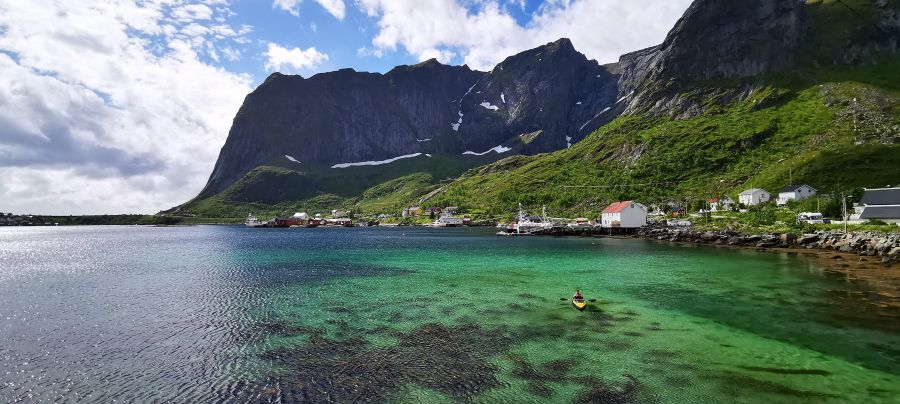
<point>624,214</point>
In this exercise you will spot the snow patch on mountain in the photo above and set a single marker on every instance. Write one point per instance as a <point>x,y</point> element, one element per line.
<point>455,126</point>
<point>488,105</point>
<point>595,117</point>
<point>376,163</point>
<point>499,149</point>
<point>625,97</point>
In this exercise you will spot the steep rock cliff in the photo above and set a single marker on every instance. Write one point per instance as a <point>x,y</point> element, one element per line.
<point>538,101</point>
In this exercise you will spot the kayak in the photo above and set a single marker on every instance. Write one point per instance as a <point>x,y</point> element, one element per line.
<point>579,304</point>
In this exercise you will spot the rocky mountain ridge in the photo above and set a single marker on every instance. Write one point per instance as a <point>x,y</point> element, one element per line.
<point>537,101</point>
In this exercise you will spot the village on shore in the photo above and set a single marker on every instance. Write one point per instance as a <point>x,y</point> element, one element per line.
<point>880,206</point>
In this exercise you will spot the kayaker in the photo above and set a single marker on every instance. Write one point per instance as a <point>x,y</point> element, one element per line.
<point>577,294</point>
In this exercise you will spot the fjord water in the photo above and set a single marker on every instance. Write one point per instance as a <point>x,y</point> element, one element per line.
<point>214,313</point>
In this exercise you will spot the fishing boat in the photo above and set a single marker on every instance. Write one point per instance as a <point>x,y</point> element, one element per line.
<point>447,220</point>
<point>527,224</point>
<point>579,303</point>
<point>252,221</point>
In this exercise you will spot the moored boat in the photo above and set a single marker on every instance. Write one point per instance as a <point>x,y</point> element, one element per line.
<point>526,224</point>
<point>252,221</point>
<point>447,220</point>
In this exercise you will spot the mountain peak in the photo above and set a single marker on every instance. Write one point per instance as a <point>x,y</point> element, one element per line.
<point>561,44</point>
<point>429,63</point>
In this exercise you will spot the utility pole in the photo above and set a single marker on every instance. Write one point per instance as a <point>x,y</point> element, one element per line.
<point>706,212</point>
<point>844,204</point>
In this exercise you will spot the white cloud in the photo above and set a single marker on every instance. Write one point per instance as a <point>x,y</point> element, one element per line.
<point>192,12</point>
<point>602,29</point>
<point>291,6</point>
<point>294,59</point>
<point>106,106</point>
<point>231,54</point>
<point>335,7</point>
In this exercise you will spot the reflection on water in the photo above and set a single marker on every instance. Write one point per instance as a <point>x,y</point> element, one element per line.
<point>412,315</point>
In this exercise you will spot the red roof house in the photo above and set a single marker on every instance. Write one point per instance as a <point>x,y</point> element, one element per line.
<point>628,214</point>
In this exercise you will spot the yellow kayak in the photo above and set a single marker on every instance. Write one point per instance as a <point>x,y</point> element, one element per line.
<point>579,304</point>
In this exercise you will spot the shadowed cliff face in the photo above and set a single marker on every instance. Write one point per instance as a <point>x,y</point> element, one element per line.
<point>347,116</point>
<point>726,39</point>
<point>553,89</point>
<point>343,116</point>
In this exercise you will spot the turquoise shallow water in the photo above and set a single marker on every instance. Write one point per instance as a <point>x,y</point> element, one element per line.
<point>427,315</point>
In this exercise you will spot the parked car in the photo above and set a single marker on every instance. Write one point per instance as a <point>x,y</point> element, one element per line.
<point>812,218</point>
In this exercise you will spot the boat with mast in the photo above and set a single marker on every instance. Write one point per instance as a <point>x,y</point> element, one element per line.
<point>252,221</point>
<point>527,224</point>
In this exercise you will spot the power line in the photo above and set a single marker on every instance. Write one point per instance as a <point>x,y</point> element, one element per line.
<point>626,185</point>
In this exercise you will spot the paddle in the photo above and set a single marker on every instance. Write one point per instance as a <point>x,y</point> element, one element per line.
<point>566,298</point>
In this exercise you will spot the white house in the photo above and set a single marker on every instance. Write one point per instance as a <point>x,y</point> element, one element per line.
<point>754,196</point>
<point>794,193</point>
<point>881,204</point>
<point>627,214</point>
<point>723,204</point>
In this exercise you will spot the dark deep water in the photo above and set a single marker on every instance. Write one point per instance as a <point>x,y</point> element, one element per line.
<point>214,313</point>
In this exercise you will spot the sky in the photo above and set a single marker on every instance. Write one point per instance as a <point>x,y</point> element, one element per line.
<point>121,106</point>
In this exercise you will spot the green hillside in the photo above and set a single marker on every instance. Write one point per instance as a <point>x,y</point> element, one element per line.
<point>283,187</point>
<point>807,125</point>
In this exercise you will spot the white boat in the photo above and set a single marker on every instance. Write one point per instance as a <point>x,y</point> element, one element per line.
<point>447,220</point>
<point>252,221</point>
<point>526,224</point>
<point>581,222</point>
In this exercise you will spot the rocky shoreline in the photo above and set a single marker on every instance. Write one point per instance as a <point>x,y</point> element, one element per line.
<point>867,244</point>
<point>883,247</point>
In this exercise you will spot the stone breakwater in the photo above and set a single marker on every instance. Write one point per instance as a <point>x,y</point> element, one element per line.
<point>872,244</point>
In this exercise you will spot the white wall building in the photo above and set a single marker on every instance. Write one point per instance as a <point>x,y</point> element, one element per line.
<point>881,204</point>
<point>754,196</point>
<point>794,193</point>
<point>723,204</point>
<point>626,214</point>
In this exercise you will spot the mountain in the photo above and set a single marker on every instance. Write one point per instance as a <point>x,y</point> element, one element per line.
<point>739,95</point>
<point>734,87</point>
<point>317,131</point>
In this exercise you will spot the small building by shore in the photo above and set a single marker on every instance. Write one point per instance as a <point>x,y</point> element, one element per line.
<point>754,196</point>
<point>880,204</point>
<point>624,214</point>
<point>794,193</point>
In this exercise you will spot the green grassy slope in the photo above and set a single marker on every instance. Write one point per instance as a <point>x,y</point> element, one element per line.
<point>284,187</point>
<point>805,125</point>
